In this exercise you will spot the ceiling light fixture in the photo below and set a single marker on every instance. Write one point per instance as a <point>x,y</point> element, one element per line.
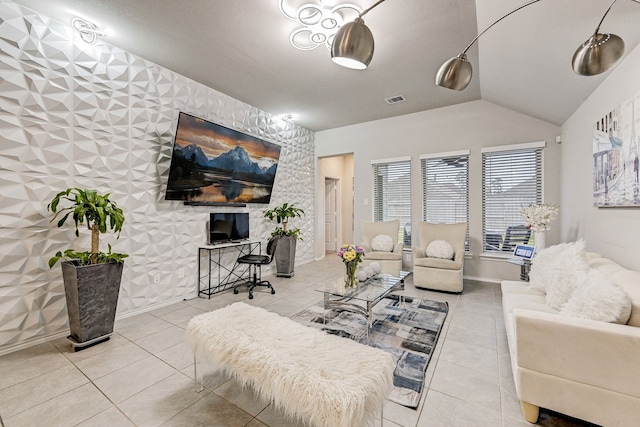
<point>88,31</point>
<point>597,55</point>
<point>456,72</point>
<point>353,44</point>
<point>319,22</point>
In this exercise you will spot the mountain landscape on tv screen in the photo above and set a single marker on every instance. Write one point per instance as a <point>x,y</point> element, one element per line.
<point>230,177</point>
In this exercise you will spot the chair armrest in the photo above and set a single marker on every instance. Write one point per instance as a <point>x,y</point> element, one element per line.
<point>397,248</point>
<point>418,252</point>
<point>459,256</point>
<point>596,353</point>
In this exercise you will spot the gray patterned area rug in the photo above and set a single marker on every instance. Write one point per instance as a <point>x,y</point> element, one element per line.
<point>409,332</point>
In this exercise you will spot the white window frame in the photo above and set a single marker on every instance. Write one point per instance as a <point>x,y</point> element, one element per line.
<point>495,221</point>
<point>432,212</point>
<point>379,211</point>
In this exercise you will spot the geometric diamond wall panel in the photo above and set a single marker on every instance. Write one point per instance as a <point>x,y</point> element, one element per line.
<point>96,116</point>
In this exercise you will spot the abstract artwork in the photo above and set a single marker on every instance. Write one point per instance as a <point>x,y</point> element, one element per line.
<point>616,167</point>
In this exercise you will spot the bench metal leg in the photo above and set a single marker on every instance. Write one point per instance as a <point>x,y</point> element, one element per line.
<point>198,374</point>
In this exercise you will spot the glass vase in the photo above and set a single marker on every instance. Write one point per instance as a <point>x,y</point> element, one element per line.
<point>350,280</point>
<point>539,239</point>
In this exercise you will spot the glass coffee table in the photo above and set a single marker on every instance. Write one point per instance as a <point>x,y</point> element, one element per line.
<point>362,298</point>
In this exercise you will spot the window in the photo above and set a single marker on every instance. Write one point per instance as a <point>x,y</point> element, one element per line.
<point>511,178</point>
<point>392,194</point>
<point>445,188</point>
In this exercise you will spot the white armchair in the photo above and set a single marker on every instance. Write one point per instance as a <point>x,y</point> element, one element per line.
<point>380,243</point>
<point>439,273</point>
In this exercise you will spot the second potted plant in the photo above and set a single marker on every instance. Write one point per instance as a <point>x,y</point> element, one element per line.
<point>285,255</point>
<point>91,278</point>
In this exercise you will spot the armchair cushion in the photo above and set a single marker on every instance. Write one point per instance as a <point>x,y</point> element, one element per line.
<point>379,255</point>
<point>446,264</point>
<point>440,249</point>
<point>382,243</point>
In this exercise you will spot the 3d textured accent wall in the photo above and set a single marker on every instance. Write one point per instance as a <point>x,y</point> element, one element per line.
<point>95,116</point>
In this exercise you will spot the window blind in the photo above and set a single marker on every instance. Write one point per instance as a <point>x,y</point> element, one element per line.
<point>445,190</point>
<point>392,195</point>
<point>510,179</point>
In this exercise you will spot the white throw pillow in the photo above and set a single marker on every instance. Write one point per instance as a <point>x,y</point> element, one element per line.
<point>558,270</point>
<point>440,249</point>
<point>598,298</point>
<point>382,243</point>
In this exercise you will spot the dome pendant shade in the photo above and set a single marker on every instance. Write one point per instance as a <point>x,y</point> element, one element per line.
<point>455,73</point>
<point>353,45</point>
<point>598,54</point>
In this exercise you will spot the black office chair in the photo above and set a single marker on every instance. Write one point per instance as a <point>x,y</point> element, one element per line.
<point>257,261</point>
<point>516,234</point>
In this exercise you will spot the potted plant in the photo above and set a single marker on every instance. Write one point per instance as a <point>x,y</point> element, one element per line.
<point>285,255</point>
<point>91,278</point>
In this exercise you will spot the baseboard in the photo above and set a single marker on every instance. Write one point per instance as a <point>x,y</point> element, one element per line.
<point>483,279</point>
<point>32,342</point>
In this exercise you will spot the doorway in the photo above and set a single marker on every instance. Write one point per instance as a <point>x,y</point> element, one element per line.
<point>331,186</point>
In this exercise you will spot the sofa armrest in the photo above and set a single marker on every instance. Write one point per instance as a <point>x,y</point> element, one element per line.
<point>418,252</point>
<point>586,351</point>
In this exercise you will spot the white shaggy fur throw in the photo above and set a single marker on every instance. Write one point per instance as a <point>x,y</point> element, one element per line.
<point>558,271</point>
<point>313,376</point>
<point>598,298</point>
<point>440,249</point>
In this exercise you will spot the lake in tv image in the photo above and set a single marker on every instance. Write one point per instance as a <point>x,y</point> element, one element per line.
<point>214,164</point>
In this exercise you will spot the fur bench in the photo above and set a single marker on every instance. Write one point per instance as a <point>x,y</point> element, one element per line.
<point>308,374</point>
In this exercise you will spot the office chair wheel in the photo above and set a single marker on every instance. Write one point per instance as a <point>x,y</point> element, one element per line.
<point>250,296</point>
<point>273,291</point>
<point>235,291</point>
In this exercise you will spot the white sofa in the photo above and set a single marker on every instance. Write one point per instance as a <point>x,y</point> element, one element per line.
<point>586,369</point>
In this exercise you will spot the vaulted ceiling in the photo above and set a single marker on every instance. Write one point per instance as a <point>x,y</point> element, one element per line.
<point>241,48</point>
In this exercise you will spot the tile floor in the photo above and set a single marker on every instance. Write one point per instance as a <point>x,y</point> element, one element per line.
<point>143,375</point>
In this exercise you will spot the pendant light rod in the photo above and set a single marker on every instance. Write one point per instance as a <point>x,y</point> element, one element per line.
<point>604,16</point>
<point>508,14</point>
<point>364,12</point>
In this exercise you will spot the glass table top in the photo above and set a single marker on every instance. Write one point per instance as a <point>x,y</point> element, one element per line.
<point>370,290</point>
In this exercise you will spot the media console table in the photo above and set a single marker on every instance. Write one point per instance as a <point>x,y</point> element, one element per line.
<point>222,260</point>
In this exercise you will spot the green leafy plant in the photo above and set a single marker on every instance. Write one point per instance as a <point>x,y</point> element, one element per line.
<point>281,214</point>
<point>100,214</point>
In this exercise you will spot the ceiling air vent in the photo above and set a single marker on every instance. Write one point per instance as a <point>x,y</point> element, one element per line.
<point>395,99</point>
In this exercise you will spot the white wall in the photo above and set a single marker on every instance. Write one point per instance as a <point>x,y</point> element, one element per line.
<point>472,126</point>
<point>612,232</point>
<point>75,115</point>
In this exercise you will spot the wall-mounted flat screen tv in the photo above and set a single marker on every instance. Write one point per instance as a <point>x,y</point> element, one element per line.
<point>212,164</point>
<point>228,227</point>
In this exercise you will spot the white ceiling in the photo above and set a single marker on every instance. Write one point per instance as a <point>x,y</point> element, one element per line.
<point>241,48</point>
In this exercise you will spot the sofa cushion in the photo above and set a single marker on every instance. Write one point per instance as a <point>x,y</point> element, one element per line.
<point>440,249</point>
<point>383,256</point>
<point>558,270</point>
<point>512,287</point>
<point>382,243</point>
<point>598,298</point>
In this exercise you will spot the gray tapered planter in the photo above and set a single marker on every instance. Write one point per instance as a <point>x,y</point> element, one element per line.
<point>92,297</point>
<point>285,256</point>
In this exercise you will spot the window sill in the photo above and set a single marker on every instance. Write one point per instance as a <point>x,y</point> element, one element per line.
<point>496,256</point>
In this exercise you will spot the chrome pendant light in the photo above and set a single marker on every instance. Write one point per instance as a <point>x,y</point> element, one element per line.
<point>353,44</point>
<point>456,73</point>
<point>598,54</point>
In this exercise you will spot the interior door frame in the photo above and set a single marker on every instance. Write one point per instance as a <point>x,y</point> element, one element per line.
<point>338,209</point>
